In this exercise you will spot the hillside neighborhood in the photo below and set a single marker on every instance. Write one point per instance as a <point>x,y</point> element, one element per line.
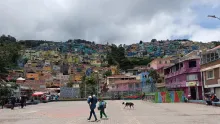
<point>76,68</point>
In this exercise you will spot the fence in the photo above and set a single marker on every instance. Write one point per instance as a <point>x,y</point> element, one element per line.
<point>68,92</point>
<point>121,94</point>
<point>149,88</point>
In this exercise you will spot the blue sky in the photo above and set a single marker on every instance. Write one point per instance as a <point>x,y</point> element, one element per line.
<point>202,13</point>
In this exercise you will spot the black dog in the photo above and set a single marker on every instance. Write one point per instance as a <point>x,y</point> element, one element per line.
<point>128,104</point>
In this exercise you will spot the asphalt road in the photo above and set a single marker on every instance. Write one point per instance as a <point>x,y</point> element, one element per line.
<point>143,113</point>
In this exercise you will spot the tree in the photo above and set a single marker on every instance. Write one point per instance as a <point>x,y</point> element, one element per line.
<point>6,88</point>
<point>216,43</point>
<point>141,42</point>
<point>104,88</point>
<point>69,84</point>
<point>107,73</point>
<point>154,40</point>
<point>116,56</point>
<point>9,54</point>
<point>154,75</point>
<point>89,84</point>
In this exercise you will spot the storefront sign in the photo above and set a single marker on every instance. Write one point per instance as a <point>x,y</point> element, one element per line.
<point>191,84</point>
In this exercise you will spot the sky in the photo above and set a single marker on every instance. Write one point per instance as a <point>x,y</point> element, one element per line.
<point>113,21</point>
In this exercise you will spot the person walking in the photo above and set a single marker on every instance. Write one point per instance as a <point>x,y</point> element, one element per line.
<point>13,101</point>
<point>143,96</point>
<point>3,102</point>
<point>102,107</point>
<point>22,100</point>
<point>92,104</point>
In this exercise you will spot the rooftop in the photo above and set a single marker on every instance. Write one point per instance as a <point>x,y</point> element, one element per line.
<point>126,81</point>
<point>119,76</point>
<point>215,48</point>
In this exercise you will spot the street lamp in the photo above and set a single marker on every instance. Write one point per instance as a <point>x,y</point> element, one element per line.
<point>213,16</point>
<point>97,81</point>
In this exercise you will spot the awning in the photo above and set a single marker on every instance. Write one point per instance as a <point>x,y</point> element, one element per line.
<point>25,88</point>
<point>37,93</point>
<point>20,79</point>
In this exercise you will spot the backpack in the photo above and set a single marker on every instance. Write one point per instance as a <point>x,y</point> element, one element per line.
<point>104,104</point>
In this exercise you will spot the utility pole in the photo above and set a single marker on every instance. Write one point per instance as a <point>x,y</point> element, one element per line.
<point>97,84</point>
<point>85,89</point>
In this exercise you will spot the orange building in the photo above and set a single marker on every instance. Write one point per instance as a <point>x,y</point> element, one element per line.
<point>47,68</point>
<point>32,76</point>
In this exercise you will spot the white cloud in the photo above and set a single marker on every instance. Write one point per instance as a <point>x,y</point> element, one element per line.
<point>205,35</point>
<point>122,21</point>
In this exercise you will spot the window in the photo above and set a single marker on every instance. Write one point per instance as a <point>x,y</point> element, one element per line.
<point>208,57</point>
<point>137,85</point>
<point>177,67</point>
<point>165,62</point>
<point>216,55</point>
<point>192,77</point>
<point>212,56</point>
<point>177,80</point>
<point>160,62</point>
<point>210,74</point>
<point>181,65</point>
<point>192,64</point>
<point>204,59</point>
<point>130,86</point>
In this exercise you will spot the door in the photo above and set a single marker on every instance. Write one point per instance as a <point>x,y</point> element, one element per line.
<point>217,92</point>
<point>193,93</point>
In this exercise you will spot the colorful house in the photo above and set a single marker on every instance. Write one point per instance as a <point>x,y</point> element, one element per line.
<point>159,64</point>
<point>32,76</point>
<point>114,70</point>
<point>123,83</point>
<point>210,70</point>
<point>185,76</point>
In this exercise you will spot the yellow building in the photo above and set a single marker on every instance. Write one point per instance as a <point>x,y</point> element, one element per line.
<point>47,68</point>
<point>114,70</point>
<point>76,77</point>
<point>96,63</point>
<point>32,76</point>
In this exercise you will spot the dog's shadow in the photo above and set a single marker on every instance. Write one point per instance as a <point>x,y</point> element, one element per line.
<point>129,108</point>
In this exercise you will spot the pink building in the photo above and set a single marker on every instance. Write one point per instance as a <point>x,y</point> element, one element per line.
<point>185,75</point>
<point>123,83</point>
<point>159,64</point>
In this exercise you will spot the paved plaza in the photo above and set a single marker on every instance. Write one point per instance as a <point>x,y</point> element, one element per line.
<point>144,113</point>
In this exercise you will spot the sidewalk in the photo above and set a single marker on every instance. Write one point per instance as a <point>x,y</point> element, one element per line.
<point>197,101</point>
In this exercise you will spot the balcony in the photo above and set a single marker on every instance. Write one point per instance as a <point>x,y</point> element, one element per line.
<point>182,71</point>
<point>176,85</point>
<point>160,85</point>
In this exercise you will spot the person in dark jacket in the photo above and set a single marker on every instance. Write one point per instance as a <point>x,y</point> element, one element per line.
<point>22,100</point>
<point>13,101</point>
<point>92,104</point>
<point>143,96</point>
<point>3,102</point>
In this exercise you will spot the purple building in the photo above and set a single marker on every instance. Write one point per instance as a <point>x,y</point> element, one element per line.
<point>185,75</point>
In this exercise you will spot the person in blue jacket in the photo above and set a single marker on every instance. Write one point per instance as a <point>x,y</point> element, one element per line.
<point>92,100</point>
